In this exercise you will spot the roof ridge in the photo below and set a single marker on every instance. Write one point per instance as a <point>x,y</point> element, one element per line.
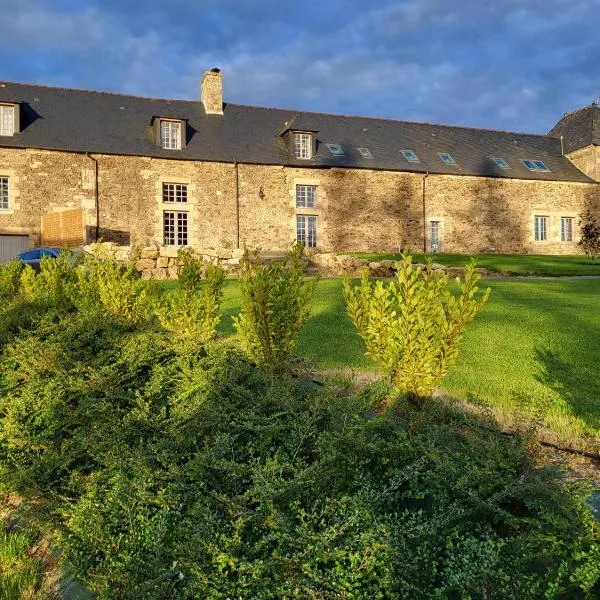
<point>4,83</point>
<point>586,107</point>
<point>388,119</point>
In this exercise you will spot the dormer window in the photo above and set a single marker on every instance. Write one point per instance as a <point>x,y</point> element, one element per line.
<point>302,144</point>
<point>170,134</point>
<point>8,119</point>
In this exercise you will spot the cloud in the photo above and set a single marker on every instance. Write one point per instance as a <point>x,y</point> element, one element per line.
<point>502,64</point>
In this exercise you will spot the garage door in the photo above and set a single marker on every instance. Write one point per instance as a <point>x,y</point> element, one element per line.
<point>11,245</point>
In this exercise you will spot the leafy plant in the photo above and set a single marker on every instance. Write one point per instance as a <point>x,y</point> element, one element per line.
<point>412,325</point>
<point>10,278</point>
<point>53,286</point>
<point>193,312</point>
<point>275,306</point>
<point>120,291</point>
<point>590,235</point>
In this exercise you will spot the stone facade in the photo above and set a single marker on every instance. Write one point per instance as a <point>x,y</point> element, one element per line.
<point>587,160</point>
<point>232,205</point>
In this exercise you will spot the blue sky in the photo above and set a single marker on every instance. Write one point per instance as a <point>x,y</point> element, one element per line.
<point>504,64</point>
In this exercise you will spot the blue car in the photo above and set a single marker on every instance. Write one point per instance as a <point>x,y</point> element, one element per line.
<point>34,256</point>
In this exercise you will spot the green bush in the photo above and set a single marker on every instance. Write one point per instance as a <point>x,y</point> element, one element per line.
<point>255,486</point>
<point>118,290</point>
<point>412,325</point>
<point>192,313</point>
<point>275,306</point>
<point>170,472</point>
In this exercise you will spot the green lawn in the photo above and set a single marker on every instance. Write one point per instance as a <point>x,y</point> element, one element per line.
<point>510,264</point>
<point>534,347</point>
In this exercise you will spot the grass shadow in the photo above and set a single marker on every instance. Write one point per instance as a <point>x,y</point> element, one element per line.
<point>574,382</point>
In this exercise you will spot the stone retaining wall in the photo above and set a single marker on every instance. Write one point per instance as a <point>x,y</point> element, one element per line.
<point>345,264</point>
<point>161,262</point>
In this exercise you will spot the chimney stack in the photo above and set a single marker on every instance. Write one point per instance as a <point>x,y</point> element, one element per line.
<point>211,92</point>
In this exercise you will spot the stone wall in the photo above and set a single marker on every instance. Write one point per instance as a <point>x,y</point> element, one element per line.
<point>357,209</point>
<point>161,262</point>
<point>587,160</point>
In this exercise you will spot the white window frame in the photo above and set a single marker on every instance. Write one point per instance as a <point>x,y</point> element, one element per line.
<point>435,228</point>
<point>175,228</point>
<point>566,229</point>
<point>302,145</point>
<point>170,134</point>
<point>306,196</point>
<point>174,193</point>
<point>4,193</point>
<point>306,230</point>
<point>7,119</point>
<point>540,228</point>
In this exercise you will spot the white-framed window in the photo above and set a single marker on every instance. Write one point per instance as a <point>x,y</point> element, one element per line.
<point>306,230</point>
<point>170,135</point>
<point>434,236</point>
<point>566,229</point>
<point>302,145</point>
<point>174,192</point>
<point>7,120</point>
<point>175,228</point>
<point>306,196</point>
<point>540,228</point>
<point>3,193</point>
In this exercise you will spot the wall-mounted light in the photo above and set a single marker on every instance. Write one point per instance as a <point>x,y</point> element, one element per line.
<point>261,193</point>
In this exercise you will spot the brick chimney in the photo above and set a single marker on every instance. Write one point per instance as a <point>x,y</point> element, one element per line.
<point>211,92</point>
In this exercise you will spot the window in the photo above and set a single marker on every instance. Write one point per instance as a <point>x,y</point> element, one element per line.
<point>447,158</point>
<point>306,230</point>
<point>3,193</point>
<point>170,135</point>
<point>541,166</point>
<point>410,156</point>
<point>175,228</point>
<point>434,235</point>
<point>336,149</point>
<point>536,165</point>
<point>302,145</point>
<point>365,152</point>
<point>7,120</point>
<point>306,196</point>
<point>566,229</point>
<point>501,163</point>
<point>540,228</point>
<point>175,192</point>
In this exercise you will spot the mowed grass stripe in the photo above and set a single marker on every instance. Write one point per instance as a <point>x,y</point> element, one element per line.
<point>535,348</point>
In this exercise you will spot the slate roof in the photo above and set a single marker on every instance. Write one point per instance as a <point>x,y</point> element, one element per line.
<point>105,123</point>
<point>579,129</point>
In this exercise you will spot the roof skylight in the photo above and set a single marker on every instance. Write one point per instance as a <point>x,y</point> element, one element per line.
<point>335,149</point>
<point>541,166</point>
<point>529,164</point>
<point>410,156</point>
<point>365,152</point>
<point>447,158</point>
<point>501,163</point>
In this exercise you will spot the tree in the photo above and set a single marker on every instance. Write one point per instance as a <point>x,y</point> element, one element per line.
<point>590,235</point>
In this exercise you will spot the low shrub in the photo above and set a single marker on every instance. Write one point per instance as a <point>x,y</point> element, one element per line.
<point>275,306</point>
<point>191,314</point>
<point>412,325</point>
<point>255,486</point>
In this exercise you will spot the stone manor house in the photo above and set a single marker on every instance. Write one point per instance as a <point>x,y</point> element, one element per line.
<point>77,165</point>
